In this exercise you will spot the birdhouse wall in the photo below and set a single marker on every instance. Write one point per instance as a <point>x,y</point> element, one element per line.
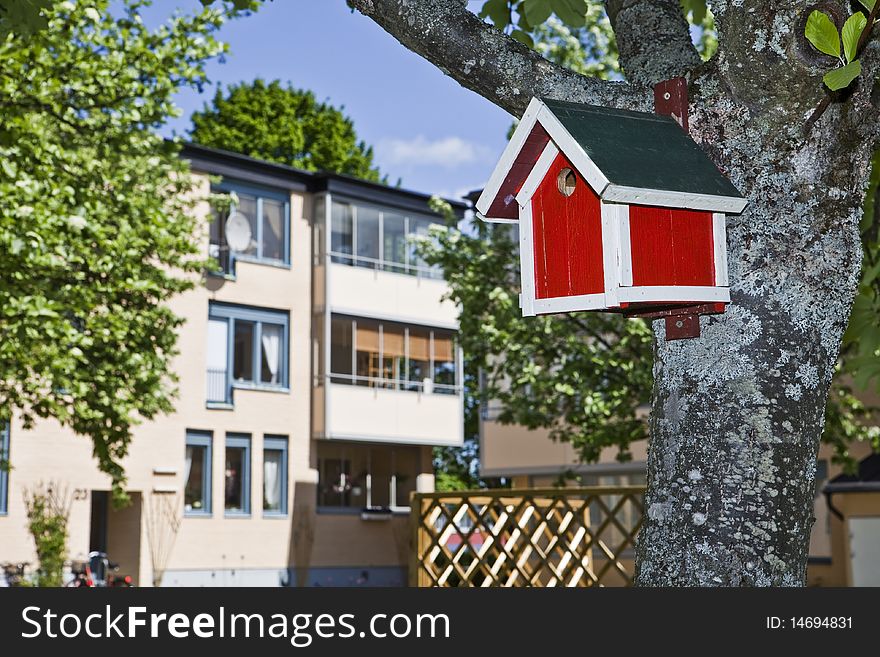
<point>671,247</point>
<point>567,234</point>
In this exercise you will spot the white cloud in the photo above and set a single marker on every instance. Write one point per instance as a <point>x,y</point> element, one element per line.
<point>447,152</point>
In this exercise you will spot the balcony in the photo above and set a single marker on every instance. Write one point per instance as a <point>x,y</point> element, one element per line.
<point>389,415</point>
<point>218,387</point>
<point>373,289</point>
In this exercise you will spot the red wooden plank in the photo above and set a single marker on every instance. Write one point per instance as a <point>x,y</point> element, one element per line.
<point>504,205</point>
<point>567,237</point>
<point>650,232</point>
<point>693,246</point>
<point>540,252</point>
<point>671,247</point>
<point>671,99</point>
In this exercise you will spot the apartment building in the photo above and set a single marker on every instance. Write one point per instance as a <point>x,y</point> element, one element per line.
<point>318,367</point>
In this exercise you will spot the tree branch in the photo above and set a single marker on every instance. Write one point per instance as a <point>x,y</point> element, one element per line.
<point>653,39</point>
<point>487,61</point>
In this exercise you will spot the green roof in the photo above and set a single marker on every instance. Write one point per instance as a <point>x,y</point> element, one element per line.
<point>637,149</point>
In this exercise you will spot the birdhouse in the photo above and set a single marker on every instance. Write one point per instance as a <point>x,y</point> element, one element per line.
<point>618,211</point>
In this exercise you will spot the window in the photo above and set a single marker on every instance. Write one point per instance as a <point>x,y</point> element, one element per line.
<point>197,474</point>
<point>821,476</point>
<point>247,348</point>
<point>238,474</point>
<point>275,475</point>
<point>367,352</point>
<point>443,358</point>
<point>367,236</point>
<point>342,347</point>
<point>268,216</point>
<point>342,232</point>
<point>357,476</point>
<point>394,242</point>
<point>4,469</point>
<point>367,231</point>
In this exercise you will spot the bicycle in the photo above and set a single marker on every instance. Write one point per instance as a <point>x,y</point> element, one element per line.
<point>14,573</point>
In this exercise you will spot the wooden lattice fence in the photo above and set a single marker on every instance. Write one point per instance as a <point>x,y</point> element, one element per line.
<point>528,537</point>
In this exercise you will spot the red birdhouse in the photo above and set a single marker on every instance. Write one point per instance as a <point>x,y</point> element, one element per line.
<point>617,210</point>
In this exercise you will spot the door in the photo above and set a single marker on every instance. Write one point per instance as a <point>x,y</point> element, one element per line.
<point>98,527</point>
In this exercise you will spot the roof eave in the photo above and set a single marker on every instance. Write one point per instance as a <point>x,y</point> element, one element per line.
<point>508,157</point>
<point>497,220</point>
<point>666,198</point>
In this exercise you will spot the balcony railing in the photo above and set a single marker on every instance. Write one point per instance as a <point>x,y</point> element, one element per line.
<point>376,264</point>
<point>218,386</point>
<point>223,256</point>
<point>425,386</point>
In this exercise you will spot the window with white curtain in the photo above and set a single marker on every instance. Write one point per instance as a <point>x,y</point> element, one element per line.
<point>274,475</point>
<point>247,348</point>
<point>197,473</point>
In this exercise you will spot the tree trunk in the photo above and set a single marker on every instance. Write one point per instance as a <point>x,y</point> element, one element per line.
<point>738,412</point>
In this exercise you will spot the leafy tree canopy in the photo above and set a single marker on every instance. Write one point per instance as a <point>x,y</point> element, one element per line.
<point>95,231</point>
<point>276,122</point>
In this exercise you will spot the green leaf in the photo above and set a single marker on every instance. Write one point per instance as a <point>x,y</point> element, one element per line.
<point>868,4</point>
<point>697,9</point>
<point>24,17</point>
<point>822,33</point>
<point>537,11</point>
<point>852,32</point>
<point>870,274</point>
<point>523,37</point>
<point>497,11</point>
<point>842,77</point>
<point>571,12</point>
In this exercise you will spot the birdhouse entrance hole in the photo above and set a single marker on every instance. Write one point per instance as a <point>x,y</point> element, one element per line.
<point>566,182</point>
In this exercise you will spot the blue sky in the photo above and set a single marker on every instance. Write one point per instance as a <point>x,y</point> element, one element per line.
<point>426,129</point>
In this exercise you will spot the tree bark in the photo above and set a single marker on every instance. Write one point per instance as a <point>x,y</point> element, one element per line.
<point>668,53</point>
<point>737,413</point>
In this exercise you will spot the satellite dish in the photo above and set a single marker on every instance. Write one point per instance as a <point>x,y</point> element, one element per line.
<point>238,232</point>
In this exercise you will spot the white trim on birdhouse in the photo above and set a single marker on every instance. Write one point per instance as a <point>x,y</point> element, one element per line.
<point>674,293</point>
<point>527,261</point>
<point>508,157</point>
<point>610,249</point>
<point>570,304</point>
<point>536,176</point>
<point>719,239</point>
<point>573,150</point>
<point>493,220</point>
<point>675,200</point>
<point>625,262</point>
